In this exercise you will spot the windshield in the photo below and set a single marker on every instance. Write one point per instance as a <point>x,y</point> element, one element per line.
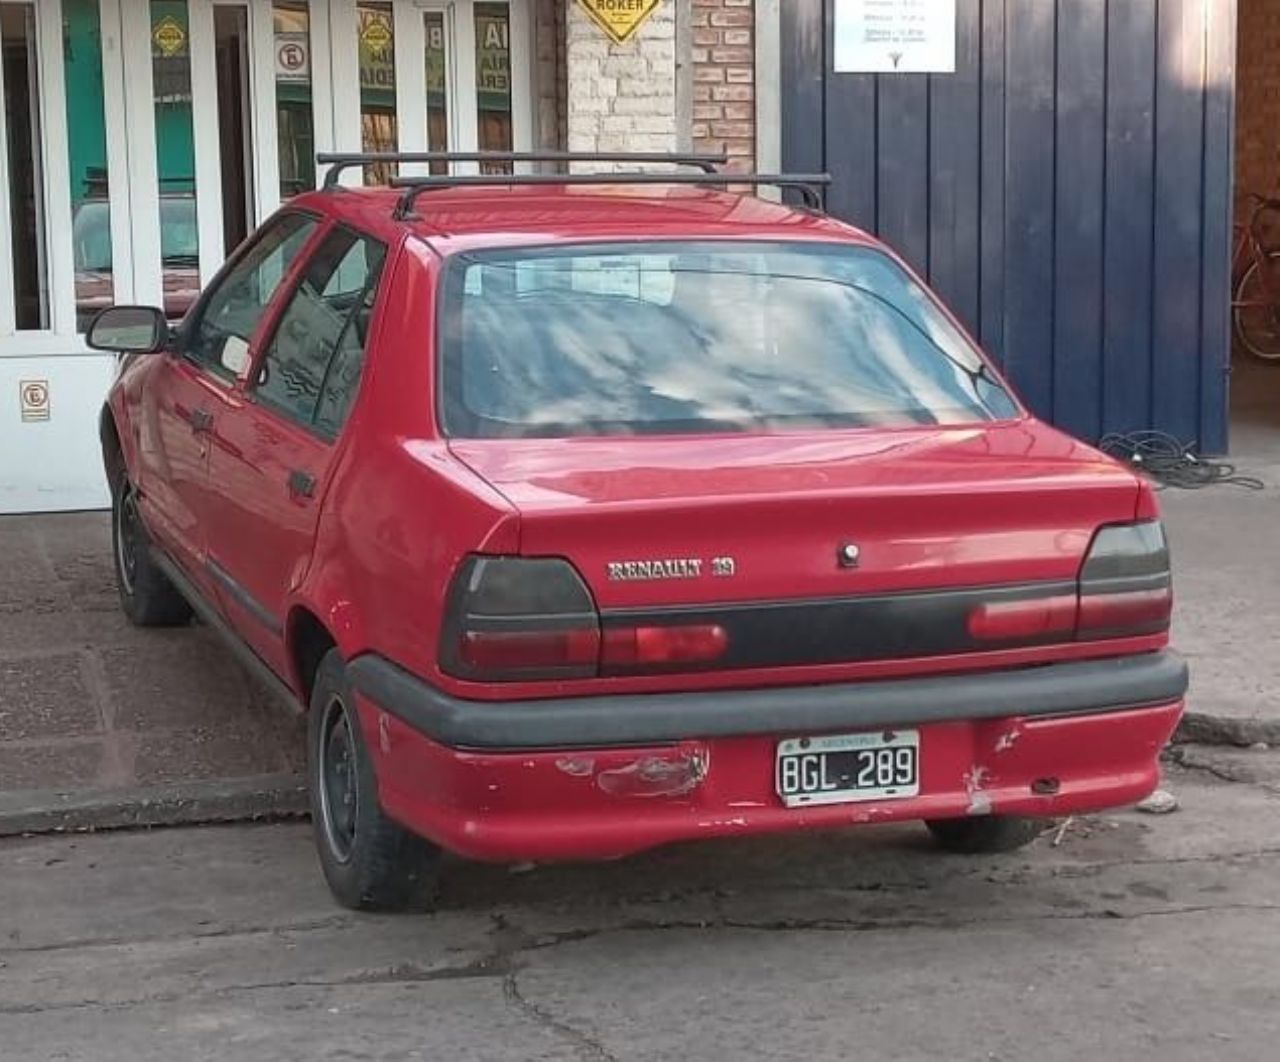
<point>696,337</point>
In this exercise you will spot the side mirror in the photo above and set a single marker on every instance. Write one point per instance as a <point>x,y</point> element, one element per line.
<point>129,330</point>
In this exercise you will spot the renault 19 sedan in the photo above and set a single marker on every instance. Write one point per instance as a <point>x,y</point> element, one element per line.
<point>587,514</point>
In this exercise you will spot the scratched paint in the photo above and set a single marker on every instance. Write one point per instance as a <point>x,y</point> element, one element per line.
<point>576,766</point>
<point>655,776</point>
<point>974,779</point>
<point>1006,741</point>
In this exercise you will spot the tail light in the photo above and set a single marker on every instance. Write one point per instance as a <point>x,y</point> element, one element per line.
<point>1125,585</point>
<point>514,618</point>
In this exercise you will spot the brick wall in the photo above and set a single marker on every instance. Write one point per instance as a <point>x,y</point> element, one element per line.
<point>621,97</point>
<point>1258,98</point>
<point>724,109</point>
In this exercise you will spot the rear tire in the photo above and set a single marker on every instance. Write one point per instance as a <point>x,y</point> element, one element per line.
<point>985,835</point>
<point>370,862</point>
<point>147,597</point>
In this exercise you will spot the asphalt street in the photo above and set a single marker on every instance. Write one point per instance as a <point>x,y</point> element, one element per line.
<point>1133,937</point>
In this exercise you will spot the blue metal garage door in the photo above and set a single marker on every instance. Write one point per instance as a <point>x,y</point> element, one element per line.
<point>1067,190</point>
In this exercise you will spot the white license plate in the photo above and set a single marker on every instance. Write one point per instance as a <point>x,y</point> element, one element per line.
<point>844,768</point>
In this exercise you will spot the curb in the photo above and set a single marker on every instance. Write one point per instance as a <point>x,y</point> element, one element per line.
<point>1199,728</point>
<point>272,796</point>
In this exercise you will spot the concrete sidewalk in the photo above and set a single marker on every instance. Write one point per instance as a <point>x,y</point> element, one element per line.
<point>102,724</point>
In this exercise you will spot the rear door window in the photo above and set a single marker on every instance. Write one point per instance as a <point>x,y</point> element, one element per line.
<point>312,366</point>
<point>692,337</point>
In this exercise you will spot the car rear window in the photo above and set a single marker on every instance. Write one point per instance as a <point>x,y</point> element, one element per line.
<point>673,338</point>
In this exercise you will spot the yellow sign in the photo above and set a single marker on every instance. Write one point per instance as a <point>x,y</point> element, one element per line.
<point>376,34</point>
<point>169,36</point>
<point>619,18</point>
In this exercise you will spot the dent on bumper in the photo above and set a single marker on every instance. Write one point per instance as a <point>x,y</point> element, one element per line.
<point>605,803</point>
<point>1064,689</point>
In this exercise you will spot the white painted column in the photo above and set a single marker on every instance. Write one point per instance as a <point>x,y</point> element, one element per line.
<point>201,49</point>
<point>118,170</point>
<point>8,311</point>
<point>344,72</point>
<point>142,177</point>
<point>262,104</point>
<point>411,81</point>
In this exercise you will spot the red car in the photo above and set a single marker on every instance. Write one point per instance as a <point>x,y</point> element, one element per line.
<point>584,517</point>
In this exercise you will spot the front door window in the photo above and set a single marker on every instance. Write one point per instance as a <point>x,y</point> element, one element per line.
<point>220,335</point>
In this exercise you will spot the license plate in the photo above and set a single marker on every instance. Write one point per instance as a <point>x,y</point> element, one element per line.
<point>845,768</point>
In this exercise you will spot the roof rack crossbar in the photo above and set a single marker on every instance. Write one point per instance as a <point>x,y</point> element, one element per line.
<point>338,162</point>
<point>807,184</point>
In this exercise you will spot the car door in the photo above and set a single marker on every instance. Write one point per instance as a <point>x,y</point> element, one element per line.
<point>270,463</point>
<point>197,381</point>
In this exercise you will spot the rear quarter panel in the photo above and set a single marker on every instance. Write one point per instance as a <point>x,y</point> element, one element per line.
<point>399,512</point>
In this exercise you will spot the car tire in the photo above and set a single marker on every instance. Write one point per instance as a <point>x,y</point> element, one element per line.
<point>147,597</point>
<point>985,835</point>
<point>370,862</point>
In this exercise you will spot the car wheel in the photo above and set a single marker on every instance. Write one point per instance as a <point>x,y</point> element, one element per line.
<point>986,834</point>
<point>370,862</point>
<point>146,595</point>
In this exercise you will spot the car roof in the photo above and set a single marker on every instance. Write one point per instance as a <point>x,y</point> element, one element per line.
<point>469,218</point>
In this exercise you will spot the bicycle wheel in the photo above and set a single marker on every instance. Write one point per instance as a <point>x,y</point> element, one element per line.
<point>1256,308</point>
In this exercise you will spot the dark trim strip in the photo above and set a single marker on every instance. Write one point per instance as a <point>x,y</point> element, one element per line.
<point>1079,687</point>
<point>210,617</point>
<point>263,615</point>
<point>830,630</point>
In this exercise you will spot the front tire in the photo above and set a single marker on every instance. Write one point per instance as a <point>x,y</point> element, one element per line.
<point>985,835</point>
<point>147,597</point>
<point>369,862</point>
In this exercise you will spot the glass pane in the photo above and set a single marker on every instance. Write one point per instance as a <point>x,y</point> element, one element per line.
<point>294,129</point>
<point>493,81</point>
<point>175,154</point>
<point>87,158</point>
<point>220,338</point>
<point>26,181</point>
<point>312,367</point>
<point>437,88</point>
<point>377,85</point>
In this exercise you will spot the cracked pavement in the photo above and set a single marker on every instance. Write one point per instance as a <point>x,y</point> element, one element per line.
<point>1135,937</point>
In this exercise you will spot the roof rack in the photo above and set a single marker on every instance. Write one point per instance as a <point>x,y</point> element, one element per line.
<point>337,162</point>
<point>807,184</point>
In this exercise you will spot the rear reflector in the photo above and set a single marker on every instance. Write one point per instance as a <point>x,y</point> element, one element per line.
<point>497,651</point>
<point>632,647</point>
<point>1004,621</point>
<point>1135,612</point>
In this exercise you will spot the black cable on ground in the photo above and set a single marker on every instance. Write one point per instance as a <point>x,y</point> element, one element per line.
<point>1171,463</point>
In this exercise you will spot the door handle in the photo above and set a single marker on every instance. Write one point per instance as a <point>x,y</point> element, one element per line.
<point>301,484</point>
<point>201,420</point>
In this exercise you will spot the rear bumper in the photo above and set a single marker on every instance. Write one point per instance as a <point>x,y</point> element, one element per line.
<point>604,799</point>
<point>590,722</point>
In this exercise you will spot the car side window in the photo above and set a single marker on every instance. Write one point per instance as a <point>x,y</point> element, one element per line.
<point>219,337</point>
<point>311,368</point>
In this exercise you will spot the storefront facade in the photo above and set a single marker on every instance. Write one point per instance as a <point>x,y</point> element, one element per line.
<point>141,140</point>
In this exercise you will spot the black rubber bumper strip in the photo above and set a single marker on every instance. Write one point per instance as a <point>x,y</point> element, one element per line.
<point>656,718</point>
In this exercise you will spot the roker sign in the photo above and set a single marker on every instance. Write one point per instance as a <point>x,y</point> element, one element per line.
<point>619,18</point>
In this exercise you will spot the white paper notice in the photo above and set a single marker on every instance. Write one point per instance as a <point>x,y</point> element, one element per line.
<point>895,36</point>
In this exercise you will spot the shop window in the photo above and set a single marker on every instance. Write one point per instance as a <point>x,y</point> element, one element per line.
<point>175,154</point>
<point>25,166</point>
<point>87,159</point>
<point>437,87</point>
<point>376,28</point>
<point>295,128</point>
<point>493,81</point>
